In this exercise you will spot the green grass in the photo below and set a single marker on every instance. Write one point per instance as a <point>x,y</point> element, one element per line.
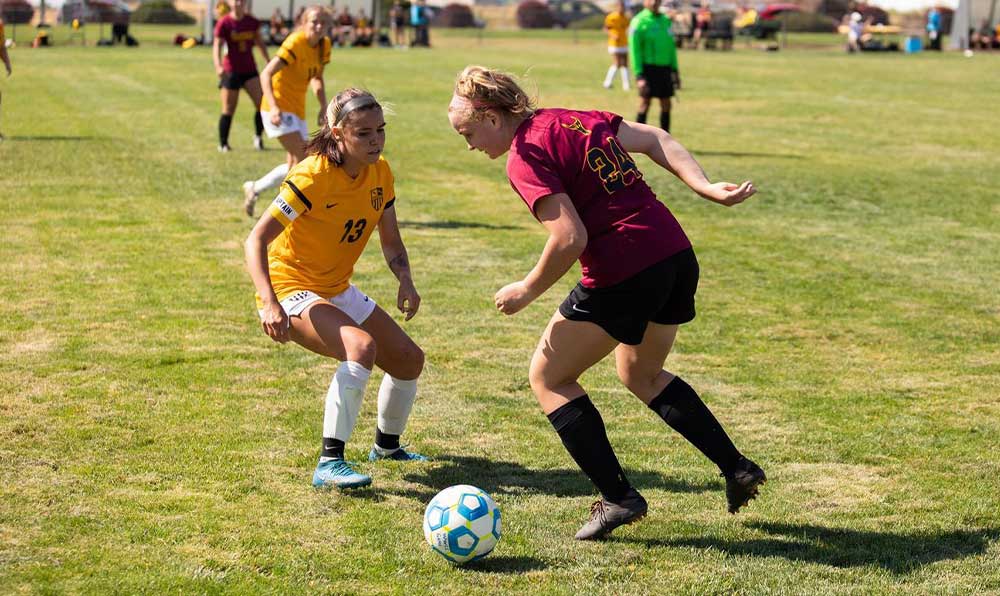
<point>152,439</point>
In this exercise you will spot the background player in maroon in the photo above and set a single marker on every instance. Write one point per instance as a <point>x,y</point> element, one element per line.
<point>240,32</point>
<point>574,171</point>
<point>4,56</point>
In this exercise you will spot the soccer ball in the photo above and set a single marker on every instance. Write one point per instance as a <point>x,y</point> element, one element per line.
<point>462,523</point>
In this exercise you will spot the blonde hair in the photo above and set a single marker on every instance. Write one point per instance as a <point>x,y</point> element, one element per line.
<point>321,10</point>
<point>490,89</point>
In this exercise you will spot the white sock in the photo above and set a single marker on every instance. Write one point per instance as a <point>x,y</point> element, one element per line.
<point>610,76</point>
<point>343,400</point>
<point>395,401</point>
<point>625,78</point>
<point>271,179</point>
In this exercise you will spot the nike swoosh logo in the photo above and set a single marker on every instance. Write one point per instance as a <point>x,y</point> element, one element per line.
<point>330,205</point>
<point>580,310</point>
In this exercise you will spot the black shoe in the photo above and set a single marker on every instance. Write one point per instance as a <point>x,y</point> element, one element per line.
<point>742,484</point>
<point>606,516</point>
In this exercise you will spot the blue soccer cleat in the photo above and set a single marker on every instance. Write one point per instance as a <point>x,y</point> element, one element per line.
<point>400,454</point>
<point>338,473</point>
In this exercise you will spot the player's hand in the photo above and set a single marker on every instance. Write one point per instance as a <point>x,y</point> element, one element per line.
<point>640,84</point>
<point>727,193</point>
<point>407,300</point>
<point>513,297</point>
<point>275,116</point>
<point>219,71</point>
<point>275,322</point>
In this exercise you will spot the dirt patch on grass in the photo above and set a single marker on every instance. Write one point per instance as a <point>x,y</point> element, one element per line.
<point>825,487</point>
<point>37,342</point>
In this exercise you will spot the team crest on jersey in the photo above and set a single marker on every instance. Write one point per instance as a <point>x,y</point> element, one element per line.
<point>377,198</point>
<point>578,127</point>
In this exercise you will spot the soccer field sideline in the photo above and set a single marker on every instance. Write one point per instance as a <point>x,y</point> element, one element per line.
<point>153,439</point>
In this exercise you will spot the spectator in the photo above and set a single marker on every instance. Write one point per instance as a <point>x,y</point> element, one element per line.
<point>397,22</point>
<point>342,32</point>
<point>934,29</point>
<point>745,17</point>
<point>344,28</point>
<point>119,31</point>
<point>363,33</point>
<point>983,38</point>
<point>720,31</point>
<point>42,37</point>
<point>702,21</point>
<point>278,28</point>
<point>855,28</point>
<point>420,21</point>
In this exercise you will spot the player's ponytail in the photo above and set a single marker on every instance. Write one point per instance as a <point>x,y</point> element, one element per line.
<point>487,89</point>
<point>338,111</point>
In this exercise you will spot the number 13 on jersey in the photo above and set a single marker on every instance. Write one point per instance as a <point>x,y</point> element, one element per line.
<point>353,230</point>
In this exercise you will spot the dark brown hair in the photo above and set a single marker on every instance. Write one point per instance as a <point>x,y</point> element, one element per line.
<point>323,142</point>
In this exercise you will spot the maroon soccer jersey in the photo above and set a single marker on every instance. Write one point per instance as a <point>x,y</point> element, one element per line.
<point>239,37</point>
<point>577,153</point>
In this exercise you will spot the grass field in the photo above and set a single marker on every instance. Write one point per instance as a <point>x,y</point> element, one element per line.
<point>153,440</point>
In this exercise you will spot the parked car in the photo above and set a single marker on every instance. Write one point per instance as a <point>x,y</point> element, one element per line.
<point>570,11</point>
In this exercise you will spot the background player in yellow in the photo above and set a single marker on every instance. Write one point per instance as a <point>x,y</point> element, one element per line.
<point>301,255</point>
<point>6,61</point>
<point>296,66</point>
<point>616,25</point>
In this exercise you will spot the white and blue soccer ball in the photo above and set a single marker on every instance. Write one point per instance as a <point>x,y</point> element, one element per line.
<point>462,523</point>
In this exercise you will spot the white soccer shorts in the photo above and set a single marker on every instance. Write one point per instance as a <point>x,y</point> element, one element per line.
<point>352,301</point>
<point>289,123</point>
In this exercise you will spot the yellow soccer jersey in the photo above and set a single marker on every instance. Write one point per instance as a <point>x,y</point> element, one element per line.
<point>617,25</point>
<point>328,218</point>
<point>302,63</point>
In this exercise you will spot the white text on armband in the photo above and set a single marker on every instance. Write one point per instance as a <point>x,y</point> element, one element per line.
<point>285,208</point>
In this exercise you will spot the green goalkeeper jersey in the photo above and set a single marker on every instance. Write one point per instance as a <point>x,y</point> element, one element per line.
<point>652,42</point>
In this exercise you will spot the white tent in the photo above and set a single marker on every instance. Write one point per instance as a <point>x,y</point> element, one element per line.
<point>969,15</point>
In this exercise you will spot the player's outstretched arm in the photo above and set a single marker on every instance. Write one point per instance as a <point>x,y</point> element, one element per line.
<point>672,156</point>
<point>273,320</point>
<point>407,299</point>
<point>567,240</point>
